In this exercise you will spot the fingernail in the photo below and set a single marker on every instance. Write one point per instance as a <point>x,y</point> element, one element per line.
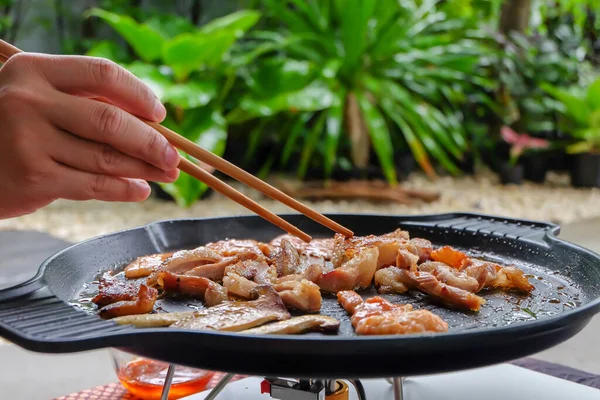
<point>173,174</point>
<point>160,112</point>
<point>143,187</point>
<point>171,158</point>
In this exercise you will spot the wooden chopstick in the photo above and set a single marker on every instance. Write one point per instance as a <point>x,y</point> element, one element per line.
<point>7,50</point>
<point>240,175</point>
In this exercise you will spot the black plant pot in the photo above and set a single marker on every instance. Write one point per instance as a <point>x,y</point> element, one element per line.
<point>511,174</point>
<point>536,167</point>
<point>467,165</point>
<point>586,170</point>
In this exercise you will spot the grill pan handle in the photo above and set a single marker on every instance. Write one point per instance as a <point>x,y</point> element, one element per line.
<point>20,290</point>
<point>509,228</point>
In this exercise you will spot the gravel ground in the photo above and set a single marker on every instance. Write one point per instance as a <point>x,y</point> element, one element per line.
<point>554,201</point>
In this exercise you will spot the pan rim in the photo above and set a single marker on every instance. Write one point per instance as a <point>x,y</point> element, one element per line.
<point>536,326</point>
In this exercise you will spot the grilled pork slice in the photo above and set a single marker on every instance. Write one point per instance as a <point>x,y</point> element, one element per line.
<point>202,288</point>
<point>357,272</point>
<point>377,316</point>
<point>319,248</point>
<point>256,270</point>
<point>143,266</point>
<point>241,248</point>
<point>289,261</point>
<point>296,325</point>
<point>214,271</point>
<point>496,276</point>
<point>153,320</point>
<point>387,244</point>
<point>237,316</point>
<point>112,290</point>
<point>143,303</point>
<point>185,260</point>
<point>454,277</point>
<point>391,278</point>
<point>300,294</point>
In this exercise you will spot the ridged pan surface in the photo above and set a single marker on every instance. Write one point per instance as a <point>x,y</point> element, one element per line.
<point>566,296</point>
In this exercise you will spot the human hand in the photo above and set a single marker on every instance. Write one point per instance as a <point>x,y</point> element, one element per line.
<point>58,141</point>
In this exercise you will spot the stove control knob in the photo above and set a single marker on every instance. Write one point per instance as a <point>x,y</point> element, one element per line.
<point>265,387</point>
<point>341,392</point>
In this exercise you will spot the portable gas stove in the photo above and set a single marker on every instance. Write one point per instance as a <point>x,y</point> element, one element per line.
<point>489,383</point>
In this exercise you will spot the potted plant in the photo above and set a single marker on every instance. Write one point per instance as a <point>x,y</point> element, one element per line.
<point>513,171</point>
<point>581,112</point>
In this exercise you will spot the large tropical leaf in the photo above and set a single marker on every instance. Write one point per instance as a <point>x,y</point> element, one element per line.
<point>309,144</point>
<point>238,23</point>
<point>333,131</point>
<point>189,52</point>
<point>380,136</point>
<point>278,76</point>
<point>576,107</point>
<point>315,96</point>
<point>593,95</point>
<point>192,94</point>
<point>143,38</point>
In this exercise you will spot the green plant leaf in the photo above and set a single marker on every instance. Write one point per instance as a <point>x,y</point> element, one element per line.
<point>593,95</point>
<point>151,76</point>
<point>333,131</point>
<point>314,97</point>
<point>416,147</point>
<point>576,108</point>
<point>380,137</point>
<point>189,52</point>
<point>238,22</point>
<point>144,39</point>
<point>310,144</point>
<point>191,94</point>
<point>296,131</point>
<point>278,76</point>
<point>170,25</point>
<point>108,49</point>
<point>355,16</point>
<point>254,139</point>
<point>580,147</point>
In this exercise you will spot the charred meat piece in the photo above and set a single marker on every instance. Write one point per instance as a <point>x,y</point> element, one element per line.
<point>319,248</point>
<point>256,270</point>
<point>355,273</point>
<point>113,290</point>
<point>450,256</point>
<point>143,266</point>
<point>454,277</point>
<point>497,276</point>
<point>388,246</point>
<point>143,303</point>
<point>237,316</point>
<point>427,283</point>
<point>377,316</point>
<point>242,248</point>
<point>301,295</point>
<point>238,285</point>
<point>185,260</point>
<point>296,325</point>
<point>289,261</point>
<point>214,271</point>
<point>202,288</point>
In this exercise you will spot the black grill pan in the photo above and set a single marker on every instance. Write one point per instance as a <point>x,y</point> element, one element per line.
<point>37,315</point>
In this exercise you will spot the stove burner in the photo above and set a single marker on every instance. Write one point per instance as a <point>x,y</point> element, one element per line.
<point>301,389</point>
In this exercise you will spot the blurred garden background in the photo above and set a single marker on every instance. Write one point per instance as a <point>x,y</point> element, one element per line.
<point>412,106</point>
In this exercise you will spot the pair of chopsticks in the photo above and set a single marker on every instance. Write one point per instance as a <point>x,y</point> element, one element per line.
<point>7,50</point>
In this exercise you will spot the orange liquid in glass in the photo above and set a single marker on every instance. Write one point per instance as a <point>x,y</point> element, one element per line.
<point>145,378</point>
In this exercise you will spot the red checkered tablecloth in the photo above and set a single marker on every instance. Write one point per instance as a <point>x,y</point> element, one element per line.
<point>116,391</point>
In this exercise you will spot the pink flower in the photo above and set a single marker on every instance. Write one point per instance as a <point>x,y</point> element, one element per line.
<point>522,142</point>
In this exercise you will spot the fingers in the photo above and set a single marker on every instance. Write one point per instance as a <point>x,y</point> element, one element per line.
<point>103,159</point>
<point>81,186</point>
<point>99,77</point>
<point>105,123</point>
